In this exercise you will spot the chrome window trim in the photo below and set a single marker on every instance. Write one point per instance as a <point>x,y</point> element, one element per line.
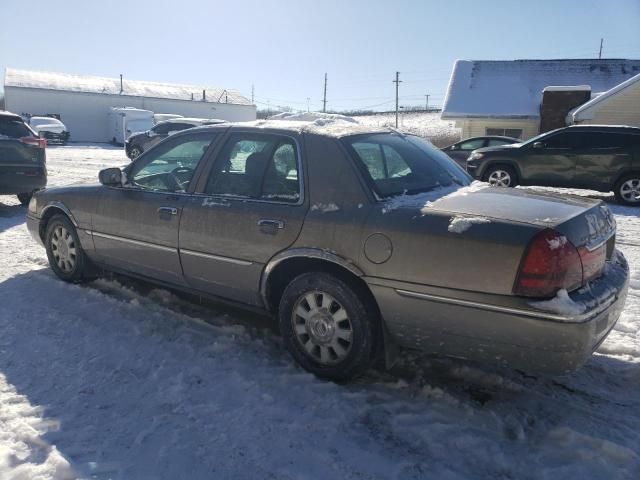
<point>516,311</point>
<point>235,261</point>
<point>131,241</point>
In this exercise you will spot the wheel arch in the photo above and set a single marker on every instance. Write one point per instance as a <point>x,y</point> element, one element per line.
<point>47,214</point>
<point>287,265</point>
<point>624,173</point>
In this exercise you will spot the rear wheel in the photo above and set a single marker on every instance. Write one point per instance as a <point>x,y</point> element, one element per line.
<point>627,190</point>
<point>501,176</point>
<point>25,198</point>
<point>66,257</point>
<point>326,326</point>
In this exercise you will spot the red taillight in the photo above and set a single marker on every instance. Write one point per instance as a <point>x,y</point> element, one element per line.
<point>550,263</point>
<point>34,141</point>
<point>592,261</point>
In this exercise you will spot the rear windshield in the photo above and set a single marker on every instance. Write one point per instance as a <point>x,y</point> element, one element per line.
<point>14,129</point>
<point>396,164</point>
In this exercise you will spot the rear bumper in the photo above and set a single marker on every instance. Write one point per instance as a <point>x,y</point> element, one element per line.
<point>505,330</point>
<point>21,180</point>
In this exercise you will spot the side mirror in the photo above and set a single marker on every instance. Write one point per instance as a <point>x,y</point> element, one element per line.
<point>151,133</point>
<point>111,177</point>
<point>538,145</point>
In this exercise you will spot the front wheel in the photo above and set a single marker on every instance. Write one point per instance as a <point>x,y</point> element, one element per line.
<point>501,176</point>
<point>627,190</point>
<point>326,326</point>
<point>135,152</point>
<point>25,198</point>
<point>66,256</point>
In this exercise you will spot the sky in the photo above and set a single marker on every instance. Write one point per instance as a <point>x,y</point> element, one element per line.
<point>284,48</point>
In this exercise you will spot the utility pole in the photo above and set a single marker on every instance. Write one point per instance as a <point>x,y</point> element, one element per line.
<point>324,101</point>
<point>397,81</point>
<point>600,54</point>
<point>252,92</point>
<point>308,99</point>
<point>426,105</point>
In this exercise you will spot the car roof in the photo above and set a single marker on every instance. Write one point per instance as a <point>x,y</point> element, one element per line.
<point>602,128</point>
<point>327,128</point>
<point>194,121</point>
<point>489,137</point>
<point>4,115</point>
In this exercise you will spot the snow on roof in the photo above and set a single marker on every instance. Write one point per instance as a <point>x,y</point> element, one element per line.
<point>333,125</point>
<point>111,86</point>
<point>586,110</point>
<point>513,88</point>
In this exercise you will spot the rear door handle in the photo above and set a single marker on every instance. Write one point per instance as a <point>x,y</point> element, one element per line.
<point>279,224</point>
<point>168,211</point>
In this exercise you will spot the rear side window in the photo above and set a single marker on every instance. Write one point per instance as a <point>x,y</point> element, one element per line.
<point>495,142</point>
<point>14,129</point>
<point>602,140</point>
<point>395,164</point>
<point>258,166</point>
<point>472,144</point>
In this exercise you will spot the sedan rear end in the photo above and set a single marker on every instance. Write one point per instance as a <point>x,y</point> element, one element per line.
<point>22,158</point>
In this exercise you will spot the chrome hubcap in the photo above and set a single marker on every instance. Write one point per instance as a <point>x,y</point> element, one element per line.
<point>322,327</point>
<point>499,178</point>
<point>63,248</point>
<point>630,190</point>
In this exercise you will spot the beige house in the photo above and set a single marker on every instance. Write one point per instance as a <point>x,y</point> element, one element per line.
<point>618,106</point>
<point>504,97</point>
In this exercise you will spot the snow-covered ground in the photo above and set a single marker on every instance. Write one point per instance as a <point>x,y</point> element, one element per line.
<point>121,380</point>
<point>429,125</point>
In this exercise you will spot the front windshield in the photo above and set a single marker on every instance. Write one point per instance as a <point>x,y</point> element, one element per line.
<point>396,164</point>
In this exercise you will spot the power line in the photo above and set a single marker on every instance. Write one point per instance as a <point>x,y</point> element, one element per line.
<point>397,81</point>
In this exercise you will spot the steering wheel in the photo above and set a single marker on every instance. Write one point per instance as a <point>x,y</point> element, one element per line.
<point>173,175</point>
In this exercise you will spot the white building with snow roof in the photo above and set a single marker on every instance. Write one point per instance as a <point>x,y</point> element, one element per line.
<point>517,97</point>
<point>83,102</point>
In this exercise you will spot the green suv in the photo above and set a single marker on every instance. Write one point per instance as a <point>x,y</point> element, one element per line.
<point>596,157</point>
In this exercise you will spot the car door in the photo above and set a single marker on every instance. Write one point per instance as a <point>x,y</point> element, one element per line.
<point>551,161</point>
<point>604,157</point>
<point>135,226</point>
<point>250,206</point>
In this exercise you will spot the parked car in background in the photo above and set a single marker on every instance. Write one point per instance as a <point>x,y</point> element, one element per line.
<point>50,128</point>
<point>357,239</point>
<point>460,151</point>
<point>22,158</point>
<point>143,141</point>
<point>602,158</point>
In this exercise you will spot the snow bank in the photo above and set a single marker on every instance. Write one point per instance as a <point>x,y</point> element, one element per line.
<point>313,117</point>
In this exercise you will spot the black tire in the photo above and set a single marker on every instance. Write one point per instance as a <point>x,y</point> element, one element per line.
<point>135,151</point>
<point>511,179</point>
<point>627,188</point>
<point>25,198</point>
<point>78,269</point>
<point>340,366</point>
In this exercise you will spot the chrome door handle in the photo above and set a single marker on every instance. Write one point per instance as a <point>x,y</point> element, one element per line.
<point>169,210</point>
<point>279,224</point>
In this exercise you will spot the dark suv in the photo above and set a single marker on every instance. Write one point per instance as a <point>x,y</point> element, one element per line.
<point>595,157</point>
<point>22,158</point>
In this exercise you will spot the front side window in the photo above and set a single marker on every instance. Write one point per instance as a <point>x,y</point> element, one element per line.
<point>170,166</point>
<point>397,164</point>
<point>161,128</point>
<point>565,140</point>
<point>257,166</point>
